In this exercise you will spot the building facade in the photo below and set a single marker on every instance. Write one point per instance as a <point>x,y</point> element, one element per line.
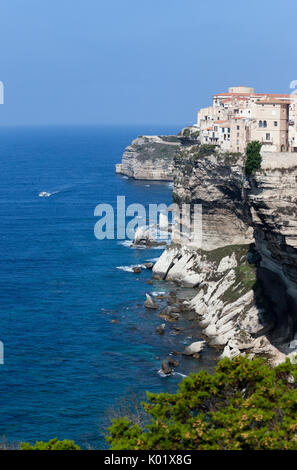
<point>241,115</point>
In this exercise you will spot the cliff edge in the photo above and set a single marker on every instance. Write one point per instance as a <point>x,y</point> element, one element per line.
<point>152,157</point>
<point>245,271</point>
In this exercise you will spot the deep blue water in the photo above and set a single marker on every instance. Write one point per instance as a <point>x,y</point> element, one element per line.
<point>66,362</point>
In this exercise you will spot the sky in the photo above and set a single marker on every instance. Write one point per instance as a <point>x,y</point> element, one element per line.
<point>82,62</point>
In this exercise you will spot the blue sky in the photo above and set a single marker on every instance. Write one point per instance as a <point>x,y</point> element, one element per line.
<point>145,62</point>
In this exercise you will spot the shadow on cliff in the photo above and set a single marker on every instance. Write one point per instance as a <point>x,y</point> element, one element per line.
<point>270,290</point>
<point>277,307</point>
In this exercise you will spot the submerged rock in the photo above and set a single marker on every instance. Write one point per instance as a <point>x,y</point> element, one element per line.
<point>174,353</point>
<point>168,315</point>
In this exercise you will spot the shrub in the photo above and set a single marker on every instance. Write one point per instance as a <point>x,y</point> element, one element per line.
<point>53,444</point>
<point>253,157</point>
<point>244,405</point>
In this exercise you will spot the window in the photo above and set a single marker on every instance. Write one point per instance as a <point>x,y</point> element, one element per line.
<point>267,136</point>
<point>264,123</point>
<point>260,124</point>
<point>238,127</point>
<point>237,134</point>
<point>275,123</point>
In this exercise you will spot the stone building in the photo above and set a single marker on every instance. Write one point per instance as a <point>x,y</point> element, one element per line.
<point>241,115</point>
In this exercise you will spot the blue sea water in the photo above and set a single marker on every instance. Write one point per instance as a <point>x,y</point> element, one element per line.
<point>66,361</point>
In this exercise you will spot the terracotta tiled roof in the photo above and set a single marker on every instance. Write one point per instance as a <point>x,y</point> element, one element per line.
<point>275,95</point>
<point>233,94</point>
<point>220,122</point>
<point>272,102</point>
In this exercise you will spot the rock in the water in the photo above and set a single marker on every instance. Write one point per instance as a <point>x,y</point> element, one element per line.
<point>174,316</point>
<point>166,369</point>
<point>148,265</point>
<point>168,315</point>
<point>175,308</point>
<point>137,269</point>
<point>174,353</point>
<point>194,348</point>
<point>161,329</point>
<point>172,362</point>
<point>177,328</point>
<point>172,298</point>
<point>150,303</point>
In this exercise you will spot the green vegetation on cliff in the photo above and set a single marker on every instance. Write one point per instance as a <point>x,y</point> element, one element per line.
<point>244,405</point>
<point>253,157</point>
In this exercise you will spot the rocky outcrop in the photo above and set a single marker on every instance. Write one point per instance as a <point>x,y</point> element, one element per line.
<point>194,349</point>
<point>213,179</point>
<point>246,292</point>
<point>151,157</point>
<point>150,303</point>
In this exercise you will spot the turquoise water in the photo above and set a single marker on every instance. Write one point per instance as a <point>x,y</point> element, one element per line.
<point>66,361</point>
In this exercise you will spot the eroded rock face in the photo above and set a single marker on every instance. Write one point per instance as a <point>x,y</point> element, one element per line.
<point>246,297</point>
<point>215,181</point>
<point>150,158</point>
<point>272,198</point>
<point>229,306</point>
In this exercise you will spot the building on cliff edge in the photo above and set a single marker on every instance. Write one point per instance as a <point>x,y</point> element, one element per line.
<point>241,115</point>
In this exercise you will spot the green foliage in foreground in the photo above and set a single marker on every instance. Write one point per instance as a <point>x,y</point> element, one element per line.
<point>244,405</point>
<point>253,157</point>
<point>53,444</point>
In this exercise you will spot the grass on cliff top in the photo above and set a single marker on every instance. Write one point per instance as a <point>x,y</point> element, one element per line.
<point>245,271</point>
<point>219,253</point>
<point>155,151</point>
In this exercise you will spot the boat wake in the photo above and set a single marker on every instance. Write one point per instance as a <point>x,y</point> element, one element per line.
<point>129,269</point>
<point>173,373</point>
<point>46,194</point>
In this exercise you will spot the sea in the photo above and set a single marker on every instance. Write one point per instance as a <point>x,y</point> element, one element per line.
<point>78,342</point>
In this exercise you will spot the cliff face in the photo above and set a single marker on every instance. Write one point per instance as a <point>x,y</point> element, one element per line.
<point>246,292</point>
<point>271,196</point>
<point>152,157</point>
<point>215,181</point>
<point>149,158</point>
